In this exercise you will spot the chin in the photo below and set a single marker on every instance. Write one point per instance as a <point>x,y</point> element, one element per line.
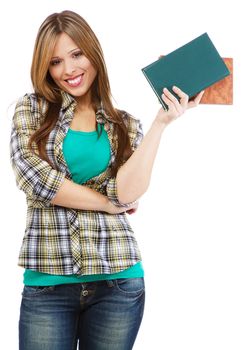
<point>76,92</point>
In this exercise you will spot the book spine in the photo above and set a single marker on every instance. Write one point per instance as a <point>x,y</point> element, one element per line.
<point>164,105</point>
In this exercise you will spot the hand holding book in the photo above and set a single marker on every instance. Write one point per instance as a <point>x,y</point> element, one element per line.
<point>176,106</point>
<point>220,92</point>
<point>193,67</point>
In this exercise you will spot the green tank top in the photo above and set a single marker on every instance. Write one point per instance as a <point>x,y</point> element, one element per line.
<point>86,156</point>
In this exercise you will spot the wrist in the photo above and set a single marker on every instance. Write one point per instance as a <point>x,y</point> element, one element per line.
<point>105,205</point>
<point>110,207</point>
<point>158,125</point>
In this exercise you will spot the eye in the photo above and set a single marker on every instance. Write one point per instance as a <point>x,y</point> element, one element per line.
<point>77,54</point>
<point>55,62</point>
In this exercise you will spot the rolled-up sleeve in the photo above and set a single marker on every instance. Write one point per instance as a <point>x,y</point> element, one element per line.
<point>135,131</point>
<point>34,176</point>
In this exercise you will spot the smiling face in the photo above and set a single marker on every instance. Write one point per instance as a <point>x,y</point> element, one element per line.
<point>70,69</point>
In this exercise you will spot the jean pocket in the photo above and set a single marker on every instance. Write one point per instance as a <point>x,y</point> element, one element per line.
<point>130,286</point>
<point>29,291</point>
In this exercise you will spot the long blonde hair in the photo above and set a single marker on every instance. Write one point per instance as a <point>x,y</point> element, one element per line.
<point>81,33</point>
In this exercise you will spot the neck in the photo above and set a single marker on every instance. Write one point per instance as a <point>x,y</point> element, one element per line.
<point>84,103</point>
<point>84,108</point>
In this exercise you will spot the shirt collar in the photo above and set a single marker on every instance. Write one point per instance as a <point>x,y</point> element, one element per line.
<point>67,99</point>
<point>101,114</point>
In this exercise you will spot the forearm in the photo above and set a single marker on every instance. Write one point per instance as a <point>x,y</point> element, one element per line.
<point>72,195</point>
<point>133,178</point>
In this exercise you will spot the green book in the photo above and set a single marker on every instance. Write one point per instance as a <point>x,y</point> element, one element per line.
<point>192,67</point>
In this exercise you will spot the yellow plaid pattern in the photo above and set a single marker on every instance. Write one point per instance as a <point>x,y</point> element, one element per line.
<point>59,240</point>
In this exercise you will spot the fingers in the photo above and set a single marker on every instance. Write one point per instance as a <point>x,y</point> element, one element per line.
<point>170,96</point>
<point>196,100</point>
<point>170,100</point>
<point>173,102</point>
<point>177,107</point>
<point>183,97</point>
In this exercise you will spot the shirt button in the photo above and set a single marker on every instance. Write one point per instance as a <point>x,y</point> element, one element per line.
<point>85,293</point>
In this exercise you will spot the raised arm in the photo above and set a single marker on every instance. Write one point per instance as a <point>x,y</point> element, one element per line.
<point>133,177</point>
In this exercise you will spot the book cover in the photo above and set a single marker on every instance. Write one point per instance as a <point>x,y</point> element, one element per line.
<point>222,91</point>
<point>192,67</point>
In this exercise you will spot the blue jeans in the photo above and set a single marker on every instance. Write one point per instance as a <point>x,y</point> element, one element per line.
<point>102,315</point>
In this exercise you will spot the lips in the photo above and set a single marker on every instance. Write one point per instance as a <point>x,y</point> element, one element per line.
<point>74,82</point>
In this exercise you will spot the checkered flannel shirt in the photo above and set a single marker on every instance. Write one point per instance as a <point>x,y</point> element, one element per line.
<point>60,240</point>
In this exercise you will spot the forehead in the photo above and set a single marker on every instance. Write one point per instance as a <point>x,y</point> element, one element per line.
<point>64,44</point>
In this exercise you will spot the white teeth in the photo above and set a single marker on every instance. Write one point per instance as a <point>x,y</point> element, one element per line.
<point>74,81</point>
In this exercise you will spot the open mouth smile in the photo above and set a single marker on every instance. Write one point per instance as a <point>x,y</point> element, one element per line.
<point>75,81</point>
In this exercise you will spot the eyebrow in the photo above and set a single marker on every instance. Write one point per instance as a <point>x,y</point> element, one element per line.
<point>68,52</point>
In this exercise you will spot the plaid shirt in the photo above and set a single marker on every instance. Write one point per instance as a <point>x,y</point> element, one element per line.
<point>60,240</point>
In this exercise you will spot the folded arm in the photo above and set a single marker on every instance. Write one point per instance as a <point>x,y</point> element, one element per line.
<point>72,195</point>
<point>38,180</point>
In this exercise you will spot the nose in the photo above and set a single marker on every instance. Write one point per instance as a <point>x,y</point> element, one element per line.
<point>69,68</point>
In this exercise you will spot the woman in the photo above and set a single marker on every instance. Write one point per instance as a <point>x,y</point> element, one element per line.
<point>82,165</point>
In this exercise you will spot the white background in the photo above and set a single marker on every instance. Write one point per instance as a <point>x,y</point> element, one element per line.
<point>192,224</point>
